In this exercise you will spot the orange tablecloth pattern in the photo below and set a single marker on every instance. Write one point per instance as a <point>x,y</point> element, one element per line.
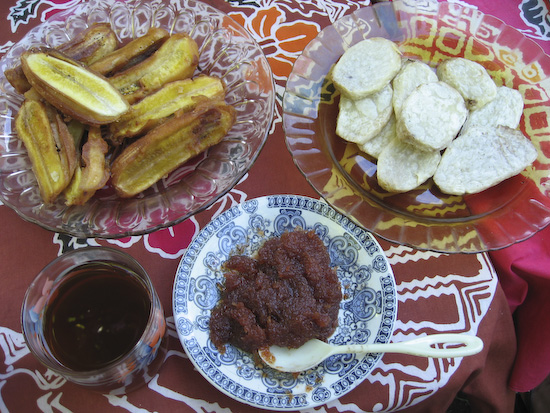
<point>436,292</point>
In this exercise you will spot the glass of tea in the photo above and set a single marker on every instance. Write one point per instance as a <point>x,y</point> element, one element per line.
<point>93,316</point>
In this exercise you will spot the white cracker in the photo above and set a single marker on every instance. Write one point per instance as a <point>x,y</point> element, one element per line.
<point>374,146</point>
<point>483,157</point>
<point>413,73</point>
<point>402,167</point>
<point>432,116</point>
<point>366,67</point>
<point>363,119</point>
<point>470,79</point>
<point>505,109</point>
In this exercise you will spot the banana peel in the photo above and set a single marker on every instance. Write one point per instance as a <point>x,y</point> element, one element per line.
<point>50,147</point>
<point>165,148</point>
<point>175,97</point>
<point>176,59</point>
<point>87,47</point>
<point>94,173</point>
<point>72,88</point>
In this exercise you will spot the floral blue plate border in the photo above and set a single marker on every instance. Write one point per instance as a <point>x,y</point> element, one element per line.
<point>367,312</point>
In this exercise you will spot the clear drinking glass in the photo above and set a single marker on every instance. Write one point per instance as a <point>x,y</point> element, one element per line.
<point>93,316</point>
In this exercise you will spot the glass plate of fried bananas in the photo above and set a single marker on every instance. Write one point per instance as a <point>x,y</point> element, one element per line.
<point>122,118</point>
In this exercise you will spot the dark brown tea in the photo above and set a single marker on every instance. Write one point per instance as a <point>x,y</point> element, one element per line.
<point>96,316</point>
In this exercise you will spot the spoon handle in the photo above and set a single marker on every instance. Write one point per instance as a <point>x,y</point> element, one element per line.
<point>426,346</point>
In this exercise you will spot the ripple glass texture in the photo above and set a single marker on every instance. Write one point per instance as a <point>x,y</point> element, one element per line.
<point>423,218</point>
<point>226,50</point>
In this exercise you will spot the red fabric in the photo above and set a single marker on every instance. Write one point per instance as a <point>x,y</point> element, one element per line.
<point>524,273</point>
<point>523,270</point>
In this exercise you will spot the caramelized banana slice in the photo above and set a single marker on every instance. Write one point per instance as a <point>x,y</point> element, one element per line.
<point>180,95</point>
<point>32,94</point>
<point>169,145</point>
<point>94,174</point>
<point>72,88</point>
<point>50,147</point>
<point>91,44</point>
<point>17,79</point>
<point>87,47</point>
<point>136,49</point>
<point>176,59</point>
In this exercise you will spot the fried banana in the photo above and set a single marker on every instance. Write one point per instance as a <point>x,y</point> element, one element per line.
<point>72,88</point>
<point>92,44</point>
<point>75,127</point>
<point>176,59</point>
<point>129,54</point>
<point>17,79</point>
<point>178,96</point>
<point>87,47</point>
<point>169,145</point>
<point>93,174</point>
<point>49,144</point>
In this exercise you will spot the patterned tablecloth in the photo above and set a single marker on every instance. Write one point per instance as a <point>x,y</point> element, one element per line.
<point>436,292</point>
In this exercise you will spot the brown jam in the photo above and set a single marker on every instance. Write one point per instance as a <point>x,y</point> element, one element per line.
<point>285,297</point>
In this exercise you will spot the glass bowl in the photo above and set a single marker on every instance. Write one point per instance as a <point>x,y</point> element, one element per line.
<point>423,218</point>
<point>226,50</point>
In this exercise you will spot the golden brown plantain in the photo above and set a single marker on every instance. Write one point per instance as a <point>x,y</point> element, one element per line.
<point>17,79</point>
<point>94,173</point>
<point>75,127</point>
<point>176,59</point>
<point>91,44</point>
<point>49,144</point>
<point>169,145</point>
<point>137,49</point>
<point>32,94</point>
<point>178,96</point>
<point>87,47</point>
<point>72,88</point>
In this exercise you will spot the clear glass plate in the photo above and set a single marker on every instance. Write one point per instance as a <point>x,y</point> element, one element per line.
<point>367,312</point>
<point>226,50</point>
<point>423,218</point>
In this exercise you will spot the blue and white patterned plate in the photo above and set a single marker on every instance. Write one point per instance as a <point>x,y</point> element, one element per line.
<point>367,311</point>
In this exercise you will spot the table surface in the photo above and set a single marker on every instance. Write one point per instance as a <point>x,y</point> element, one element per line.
<point>436,292</point>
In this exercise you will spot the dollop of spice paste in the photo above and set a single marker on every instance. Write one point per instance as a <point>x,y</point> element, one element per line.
<point>286,296</point>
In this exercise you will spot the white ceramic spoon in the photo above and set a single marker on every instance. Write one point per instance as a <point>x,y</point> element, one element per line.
<point>315,351</point>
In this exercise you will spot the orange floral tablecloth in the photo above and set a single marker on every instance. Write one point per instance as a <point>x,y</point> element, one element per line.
<point>436,292</point>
